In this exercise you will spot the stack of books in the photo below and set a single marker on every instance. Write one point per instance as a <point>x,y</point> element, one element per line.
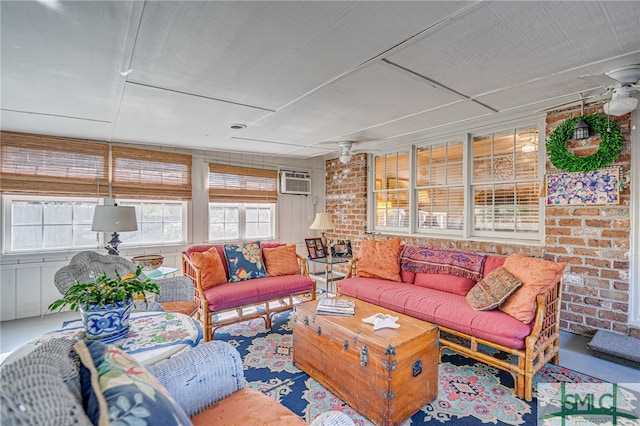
<point>344,307</point>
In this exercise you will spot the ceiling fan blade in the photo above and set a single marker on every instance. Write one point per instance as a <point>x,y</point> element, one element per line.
<point>600,80</point>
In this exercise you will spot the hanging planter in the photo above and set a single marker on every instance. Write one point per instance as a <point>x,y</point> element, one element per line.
<point>608,151</point>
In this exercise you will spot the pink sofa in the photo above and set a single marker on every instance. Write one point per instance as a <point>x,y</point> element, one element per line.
<point>233,302</point>
<point>439,298</point>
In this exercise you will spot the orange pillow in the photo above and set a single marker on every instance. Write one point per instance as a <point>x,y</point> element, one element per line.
<point>537,276</point>
<point>379,259</point>
<point>281,260</point>
<point>211,267</point>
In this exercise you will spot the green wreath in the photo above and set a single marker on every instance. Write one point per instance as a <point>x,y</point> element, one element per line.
<point>608,151</point>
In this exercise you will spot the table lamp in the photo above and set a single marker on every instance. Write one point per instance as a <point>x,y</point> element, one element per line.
<point>322,222</point>
<point>113,218</point>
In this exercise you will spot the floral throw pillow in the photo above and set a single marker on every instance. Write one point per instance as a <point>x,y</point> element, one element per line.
<point>116,389</point>
<point>245,261</point>
<point>492,290</point>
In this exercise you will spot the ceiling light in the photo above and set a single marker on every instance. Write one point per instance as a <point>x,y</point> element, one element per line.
<point>345,151</point>
<point>620,103</point>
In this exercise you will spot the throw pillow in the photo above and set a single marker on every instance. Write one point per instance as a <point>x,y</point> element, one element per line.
<point>492,290</point>
<point>118,390</point>
<point>281,260</point>
<point>379,259</point>
<point>211,267</point>
<point>537,276</point>
<point>245,261</point>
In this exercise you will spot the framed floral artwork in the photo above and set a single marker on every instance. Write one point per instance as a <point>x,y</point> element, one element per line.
<point>600,186</point>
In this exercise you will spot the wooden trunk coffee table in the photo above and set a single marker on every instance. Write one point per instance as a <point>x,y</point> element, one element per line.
<point>386,375</point>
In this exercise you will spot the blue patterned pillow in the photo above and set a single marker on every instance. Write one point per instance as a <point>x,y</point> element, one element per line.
<point>245,261</point>
<point>117,390</point>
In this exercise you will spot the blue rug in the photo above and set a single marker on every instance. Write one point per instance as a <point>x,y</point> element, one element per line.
<point>469,392</point>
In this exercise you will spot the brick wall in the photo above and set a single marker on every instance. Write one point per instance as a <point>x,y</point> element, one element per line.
<point>593,240</point>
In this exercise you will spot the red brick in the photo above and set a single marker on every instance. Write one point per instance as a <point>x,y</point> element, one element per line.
<point>586,212</point>
<point>613,316</point>
<point>571,241</point>
<point>615,233</point>
<point>598,223</point>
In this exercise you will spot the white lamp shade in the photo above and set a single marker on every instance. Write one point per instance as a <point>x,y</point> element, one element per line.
<point>114,219</point>
<point>323,221</point>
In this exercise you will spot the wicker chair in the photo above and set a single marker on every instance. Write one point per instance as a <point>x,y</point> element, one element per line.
<point>176,294</point>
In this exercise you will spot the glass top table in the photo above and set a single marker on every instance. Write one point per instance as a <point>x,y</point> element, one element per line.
<point>329,276</point>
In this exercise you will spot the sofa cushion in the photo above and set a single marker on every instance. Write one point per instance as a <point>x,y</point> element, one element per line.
<point>211,267</point>
<point>537,276</point>
<point>281,260</point>
<point>379,259</point>
<point>440,308</point>
<point>231,295</point>
<point>244,261</point>
<point>234,410</point>
<point>492,263</point>
<point>492,290</point>
<point>444,282</point>
<point>117,389</point>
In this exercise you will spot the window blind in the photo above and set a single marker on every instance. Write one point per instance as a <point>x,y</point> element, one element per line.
<point>147,174</point>
<point>46,165</point>
<point>242,184</point>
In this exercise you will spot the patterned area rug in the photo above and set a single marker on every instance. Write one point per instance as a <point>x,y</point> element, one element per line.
<point>469,392</point>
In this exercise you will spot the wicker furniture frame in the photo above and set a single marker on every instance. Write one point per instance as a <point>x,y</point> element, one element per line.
<point>541,346</point>
<point>266,309</point>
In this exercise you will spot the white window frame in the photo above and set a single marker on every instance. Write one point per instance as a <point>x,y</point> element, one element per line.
<point>183,230</point>
<point>7,225</point>
<point>242,220</point>
<point>468,233</point>
<point>415,189</point>
<point>537,236</point>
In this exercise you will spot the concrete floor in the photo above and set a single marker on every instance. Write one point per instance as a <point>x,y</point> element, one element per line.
<point>574,353</point>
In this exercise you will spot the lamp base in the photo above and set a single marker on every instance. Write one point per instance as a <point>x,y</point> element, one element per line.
<point>112,246</point>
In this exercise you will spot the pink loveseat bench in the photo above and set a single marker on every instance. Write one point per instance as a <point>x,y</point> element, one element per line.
<point>439,298</point>
<point>233,302</point>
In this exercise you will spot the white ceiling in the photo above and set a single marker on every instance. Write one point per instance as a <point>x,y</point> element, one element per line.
<point>301,75</point>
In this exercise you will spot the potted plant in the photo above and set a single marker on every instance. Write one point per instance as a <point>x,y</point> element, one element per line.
<point>105,304</point>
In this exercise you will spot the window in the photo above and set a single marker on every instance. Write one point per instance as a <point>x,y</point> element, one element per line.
<point>498,197</point>
<point>230,222</point>
<point>505,184</point>
<point>50,224</point>
<point>50,187</point>
<point>242,202</point>
<point>392,190</point>
<point>159,222</point>
<point>439,186</point>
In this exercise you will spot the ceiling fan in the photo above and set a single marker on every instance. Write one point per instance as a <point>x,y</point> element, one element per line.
<point>621,82</point>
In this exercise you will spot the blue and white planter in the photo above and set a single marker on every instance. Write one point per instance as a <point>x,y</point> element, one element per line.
<point>108,322</point>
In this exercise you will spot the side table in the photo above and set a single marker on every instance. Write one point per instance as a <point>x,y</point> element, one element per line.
<point>329,276</point>
<point>161,272</point>
<point>152,337</point>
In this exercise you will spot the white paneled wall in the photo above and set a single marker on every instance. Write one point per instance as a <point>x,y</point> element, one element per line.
<point>26,281</point>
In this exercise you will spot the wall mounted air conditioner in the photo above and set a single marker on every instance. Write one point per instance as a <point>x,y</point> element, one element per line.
<point>292,182</point>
